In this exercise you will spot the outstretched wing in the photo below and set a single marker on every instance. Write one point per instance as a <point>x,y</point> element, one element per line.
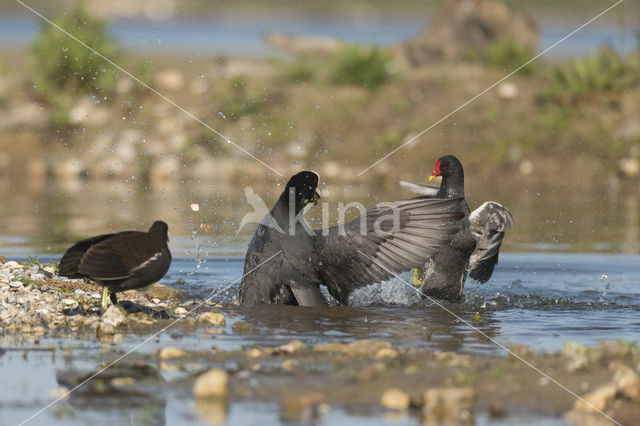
<point>488,224</point>
<point>384,242</point>
<point>418,188</point>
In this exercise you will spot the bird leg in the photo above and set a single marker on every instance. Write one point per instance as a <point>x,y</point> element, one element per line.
<point>105,294</point>
<point>417,282</point>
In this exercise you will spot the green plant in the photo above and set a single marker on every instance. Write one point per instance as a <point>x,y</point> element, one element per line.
<point>62,65</point>
<point>361,66</point>
<point>240,102</point>
<point>508,55</point>
<point>601,72</point>
<point>300,70</point>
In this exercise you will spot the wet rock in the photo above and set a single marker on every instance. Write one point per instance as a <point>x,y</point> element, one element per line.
<point>387,353</point>
<point>171,353</point>
<point>303,408</point>
<point>395,399</point>
<point>596,400</point>
<point>16,284</point>
<point>161,292</point>
<point>453,359</point>
<point>464,26</point>
<point>290,348</point>
<point>254,353</point>
<point>180,311</point>
<point>113,317</point>
<point>213,318</point>
<point>366,347</point>
<point>448,402</point>
<point>242,327</point>
<point>626,380</point>
<point>213,383</point>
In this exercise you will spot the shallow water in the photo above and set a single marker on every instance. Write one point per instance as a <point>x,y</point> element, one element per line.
<point>538,299</point>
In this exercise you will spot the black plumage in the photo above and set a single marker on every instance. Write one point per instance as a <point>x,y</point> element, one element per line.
<point>122,261</point>
<point>474,250</point>
<point>287,262</point>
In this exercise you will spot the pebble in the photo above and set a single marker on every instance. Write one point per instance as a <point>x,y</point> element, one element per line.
<point>395,399</point>
<point>213,383</point>
<point>213,318</point>
<point>113,317</point>
<point>16,284</point>
<point>448,401</point>
<point>180,311</point>
<point>596,399</point>
<point>171,353</point>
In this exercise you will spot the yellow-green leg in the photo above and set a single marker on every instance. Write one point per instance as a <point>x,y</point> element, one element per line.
<point>105,298</point>
<point>417,282</point>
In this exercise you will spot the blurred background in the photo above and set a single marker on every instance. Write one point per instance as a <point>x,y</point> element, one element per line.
<point>330,86</point>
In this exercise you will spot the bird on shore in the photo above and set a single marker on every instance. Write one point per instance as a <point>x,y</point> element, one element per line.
<point>288,263</point>
<point>473,250</point>
<point>122,261</point>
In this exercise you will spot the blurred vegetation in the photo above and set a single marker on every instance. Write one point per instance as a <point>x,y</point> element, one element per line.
<point>63,68</point>
<point>302,69</point>
<point>62,64</point>
<point>509,55</point>
<point>239,102</point>
<point>361,66</point>
<point>601,72</point>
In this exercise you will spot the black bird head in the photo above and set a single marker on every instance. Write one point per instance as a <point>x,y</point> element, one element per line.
<point>160,230</point>
<point>450,168</point>
<point>303,185</point>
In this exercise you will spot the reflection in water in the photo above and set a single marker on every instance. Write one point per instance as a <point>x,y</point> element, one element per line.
<point>128,393</point>
<point>425,323</point>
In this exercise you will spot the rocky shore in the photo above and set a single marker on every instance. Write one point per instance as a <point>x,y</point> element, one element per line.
<point>369,377</point>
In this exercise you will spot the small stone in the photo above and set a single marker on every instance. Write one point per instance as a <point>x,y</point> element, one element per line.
<point>213,383</point>
<point>161,292</point>
<point>242,327</point>
<point>155,300</point>
<point>12,264</point>
<point>79,292</point>
<point>387,353</point>
<point>180,311</point>
<point>171,353</point>
<point>254,353</point>
<point>113,316</point>
<point>96,296</point>
<point>448,402</point>
<point>366,347</point>
<point>508,90</point>
<point>291,347</point>
<point>596,399</point>
<point>626,380</point>
<point>68,302</point>
<point>16,284</point>
<point>213,318</point>
<point>395,399</point>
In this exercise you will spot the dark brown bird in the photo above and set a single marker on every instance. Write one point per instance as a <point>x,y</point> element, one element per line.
<point>119,262</point>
